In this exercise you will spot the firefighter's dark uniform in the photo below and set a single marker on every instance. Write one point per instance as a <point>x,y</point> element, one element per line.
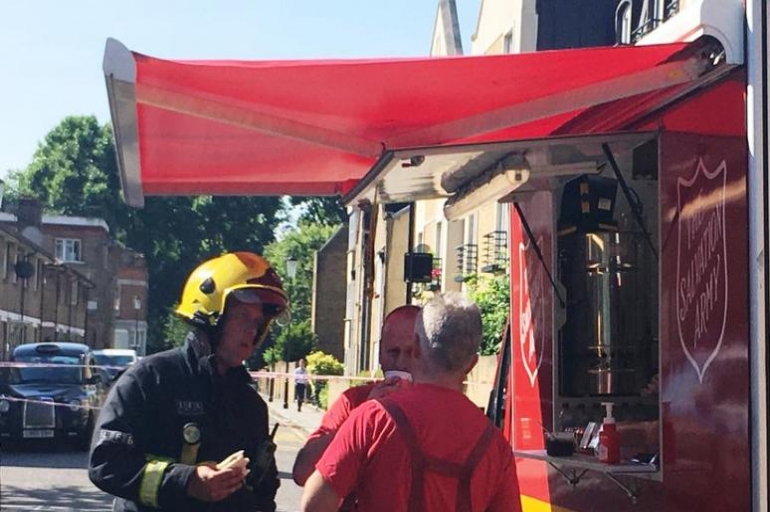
<point>139,452</point>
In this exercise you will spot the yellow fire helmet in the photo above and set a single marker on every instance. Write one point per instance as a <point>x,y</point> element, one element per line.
<point>248,276</point>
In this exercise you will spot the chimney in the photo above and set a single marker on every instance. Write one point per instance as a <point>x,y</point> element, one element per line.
<point>29,213</point>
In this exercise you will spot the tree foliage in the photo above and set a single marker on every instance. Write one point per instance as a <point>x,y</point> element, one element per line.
<point>299,244</point>
<point>174,330</point>
<point>74,172</point>
<point>293,342</point>
<point>320,363</point>
<point>327,211</point>
<point>177,233</point>
<point>492,295</point>
<point>297,339</point>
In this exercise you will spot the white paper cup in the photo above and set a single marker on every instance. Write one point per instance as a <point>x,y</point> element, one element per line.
<point>400,374</point>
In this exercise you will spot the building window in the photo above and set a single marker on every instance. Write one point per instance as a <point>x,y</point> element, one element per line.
<point>508,42</point>
<point>623,27</point>
<point>68,249</point>
<point>670,7</point>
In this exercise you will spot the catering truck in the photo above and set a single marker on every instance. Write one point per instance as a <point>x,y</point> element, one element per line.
<point>638,185</point>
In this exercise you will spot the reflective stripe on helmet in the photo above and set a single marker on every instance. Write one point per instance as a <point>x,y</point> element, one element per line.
<point>153,477</point>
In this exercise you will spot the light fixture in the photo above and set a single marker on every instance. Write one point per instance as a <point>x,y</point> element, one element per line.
<point>291,267</point>
<point>503,182</point>
<point>473,197</point>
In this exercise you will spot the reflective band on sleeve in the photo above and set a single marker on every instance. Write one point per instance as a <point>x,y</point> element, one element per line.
<point>153,477</point>
<point>149,457</point>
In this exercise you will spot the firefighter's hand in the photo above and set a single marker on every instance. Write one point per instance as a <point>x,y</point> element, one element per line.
<point>388,386</point>
<point>211,485</point>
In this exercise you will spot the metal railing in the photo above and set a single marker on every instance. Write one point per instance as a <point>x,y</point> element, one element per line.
<point>467,260</point>
<point>670,8</point>
<point>495,252</point>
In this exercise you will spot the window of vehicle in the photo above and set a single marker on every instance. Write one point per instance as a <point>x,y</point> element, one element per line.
<point>112,364</point>
<point>67,249</point>
<point>114,360</point>
<point>66,369</point>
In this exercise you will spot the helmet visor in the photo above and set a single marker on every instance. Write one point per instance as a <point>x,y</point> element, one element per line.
<point>274,304</point>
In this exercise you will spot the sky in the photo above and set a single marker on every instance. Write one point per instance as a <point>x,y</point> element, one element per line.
<point>51,50</point>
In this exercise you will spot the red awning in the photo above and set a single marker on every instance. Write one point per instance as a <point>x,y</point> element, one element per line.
<point>317,127</point>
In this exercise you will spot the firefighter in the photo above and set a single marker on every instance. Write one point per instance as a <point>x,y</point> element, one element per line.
<point>173,416</point>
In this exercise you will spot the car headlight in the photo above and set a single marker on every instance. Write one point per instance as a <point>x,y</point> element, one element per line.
<point>76,405</point>
<point>5,406</point>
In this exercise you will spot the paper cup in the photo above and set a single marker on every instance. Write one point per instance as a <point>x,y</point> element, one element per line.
<point>400,374</point>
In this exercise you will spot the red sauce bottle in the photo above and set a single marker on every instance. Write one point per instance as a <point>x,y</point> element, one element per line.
<point>609,442</point>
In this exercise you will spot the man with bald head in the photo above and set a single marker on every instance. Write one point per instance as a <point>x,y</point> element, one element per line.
<point>396,352</point>
<point>427,448</point>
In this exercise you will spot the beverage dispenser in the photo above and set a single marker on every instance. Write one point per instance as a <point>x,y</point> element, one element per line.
<point>604,345</point>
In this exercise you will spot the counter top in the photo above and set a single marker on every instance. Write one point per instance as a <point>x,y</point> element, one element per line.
<point>573,469</point>
<point>588,462</point>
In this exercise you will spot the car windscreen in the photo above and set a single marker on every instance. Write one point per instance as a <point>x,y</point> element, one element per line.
<point>113,360</point>
<point>64,370</point>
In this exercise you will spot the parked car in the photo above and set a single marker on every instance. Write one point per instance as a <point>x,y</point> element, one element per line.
<point>114,361</point>
<point>58,402</point>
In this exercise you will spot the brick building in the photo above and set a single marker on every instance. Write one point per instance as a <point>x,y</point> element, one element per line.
<point>40,298</point>
<point>116,302</point>
<point>329,289</point>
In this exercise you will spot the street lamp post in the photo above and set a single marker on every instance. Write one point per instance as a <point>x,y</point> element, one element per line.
<point>286,383</point>
<point>137,307</point>
<point>291,271</point>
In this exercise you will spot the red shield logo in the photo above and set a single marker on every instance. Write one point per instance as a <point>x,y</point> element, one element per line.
<point>701,269</point>
<point>531,308</point>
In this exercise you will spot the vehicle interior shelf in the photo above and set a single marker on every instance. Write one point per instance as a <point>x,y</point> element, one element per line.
<point>574,467</point>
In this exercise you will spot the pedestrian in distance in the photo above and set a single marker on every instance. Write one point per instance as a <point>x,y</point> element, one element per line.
<point>184,430</point>
<point>395,354</point>
<point>300,382</point>
<point>427,448</point>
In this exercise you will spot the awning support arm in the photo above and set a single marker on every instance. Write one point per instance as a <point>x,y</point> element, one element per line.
<point>636,208</point>
<point>539,253</point>
<point>231,112</point>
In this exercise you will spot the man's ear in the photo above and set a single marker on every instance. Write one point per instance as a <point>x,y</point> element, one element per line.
<point>474,360</point>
